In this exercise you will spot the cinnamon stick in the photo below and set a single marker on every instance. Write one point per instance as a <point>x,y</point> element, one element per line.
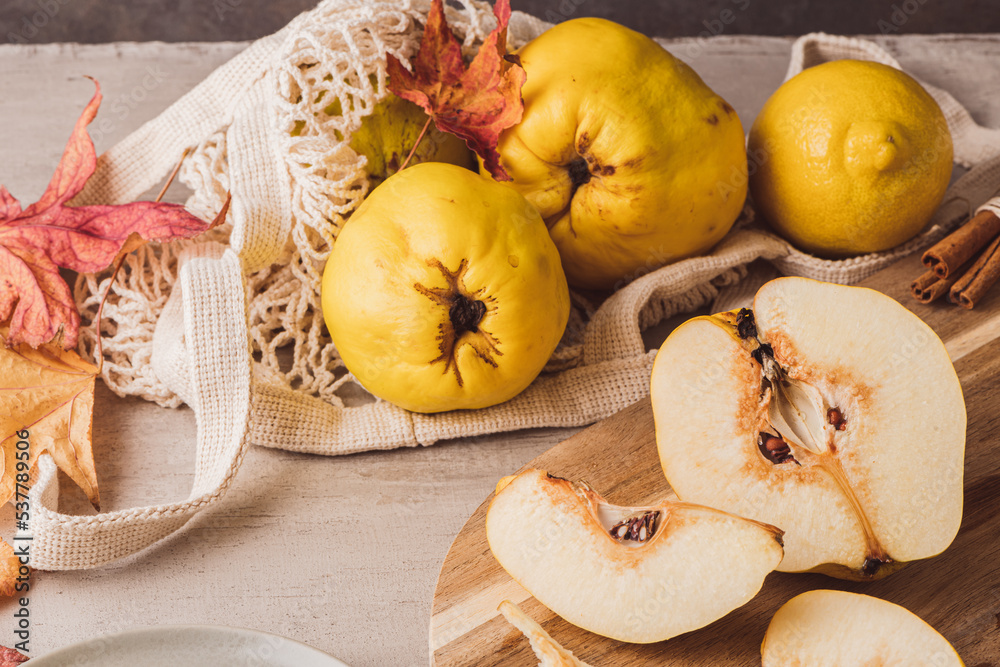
<point>929,287</point>
<point>971,287</point>
<point>960,246</point>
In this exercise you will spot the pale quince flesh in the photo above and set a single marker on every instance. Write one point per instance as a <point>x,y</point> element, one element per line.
<point>831,412</point>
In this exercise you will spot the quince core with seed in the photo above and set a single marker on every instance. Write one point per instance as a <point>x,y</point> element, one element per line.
<point>631,159</point>
<point>444,291</point>
<point>831,412</point>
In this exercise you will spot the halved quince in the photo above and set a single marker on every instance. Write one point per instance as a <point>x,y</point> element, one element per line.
<point>839,629</point>
<point>635,574</point>
<point>831,412</point>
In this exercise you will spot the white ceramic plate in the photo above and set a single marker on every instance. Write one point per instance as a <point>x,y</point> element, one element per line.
<point>189,645</point>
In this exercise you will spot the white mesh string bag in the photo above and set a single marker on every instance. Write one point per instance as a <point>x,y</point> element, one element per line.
<point>230,323</point>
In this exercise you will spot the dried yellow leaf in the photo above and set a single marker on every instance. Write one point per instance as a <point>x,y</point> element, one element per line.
<point>10,568</point>
<point>47,392</point>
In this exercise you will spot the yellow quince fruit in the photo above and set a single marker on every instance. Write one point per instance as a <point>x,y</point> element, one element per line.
<point>444,291</point>
<point>854,157</point>
<point>630,158</point>
<point>387,136</point>
<point>388,133</point>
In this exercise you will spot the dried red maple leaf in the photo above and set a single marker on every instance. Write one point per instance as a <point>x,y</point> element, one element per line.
<point>475,103</point>
<point>11,658</point>
<point>49,234</point>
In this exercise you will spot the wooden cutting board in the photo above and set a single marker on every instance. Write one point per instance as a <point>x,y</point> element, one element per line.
<point>957,592</point>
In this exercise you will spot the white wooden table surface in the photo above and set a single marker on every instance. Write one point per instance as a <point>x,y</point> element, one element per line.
<point>340,553</point>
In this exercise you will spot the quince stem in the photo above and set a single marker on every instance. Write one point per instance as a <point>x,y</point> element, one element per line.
<point>415,144</point>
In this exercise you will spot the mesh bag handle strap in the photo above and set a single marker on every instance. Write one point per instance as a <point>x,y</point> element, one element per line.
<point>141,160</point>
<point>211,316</point>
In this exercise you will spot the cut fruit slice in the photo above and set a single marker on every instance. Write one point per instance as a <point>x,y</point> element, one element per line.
<point>636,574</point>
<point>550,653</point>
<point>831,412</point>
<point>838,629</point>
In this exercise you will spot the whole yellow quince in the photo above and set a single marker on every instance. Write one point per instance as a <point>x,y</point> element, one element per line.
<point>387,135</point>
<point>444,291</point>
<point>854,157</point>
<point>631,159</point>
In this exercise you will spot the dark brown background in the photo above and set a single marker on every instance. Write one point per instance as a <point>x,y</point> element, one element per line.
<point>93,21</point>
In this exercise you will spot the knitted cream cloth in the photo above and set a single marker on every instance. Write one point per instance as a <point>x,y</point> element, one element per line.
<point>186,320</point>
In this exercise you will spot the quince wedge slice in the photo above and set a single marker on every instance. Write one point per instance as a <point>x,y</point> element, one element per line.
<point>635,574</point>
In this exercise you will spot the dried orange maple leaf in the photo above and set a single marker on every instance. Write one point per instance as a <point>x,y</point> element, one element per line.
<point>48,392</point>
<point>475,103</point>
<point>10,570</point>
<point>49,234</point>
